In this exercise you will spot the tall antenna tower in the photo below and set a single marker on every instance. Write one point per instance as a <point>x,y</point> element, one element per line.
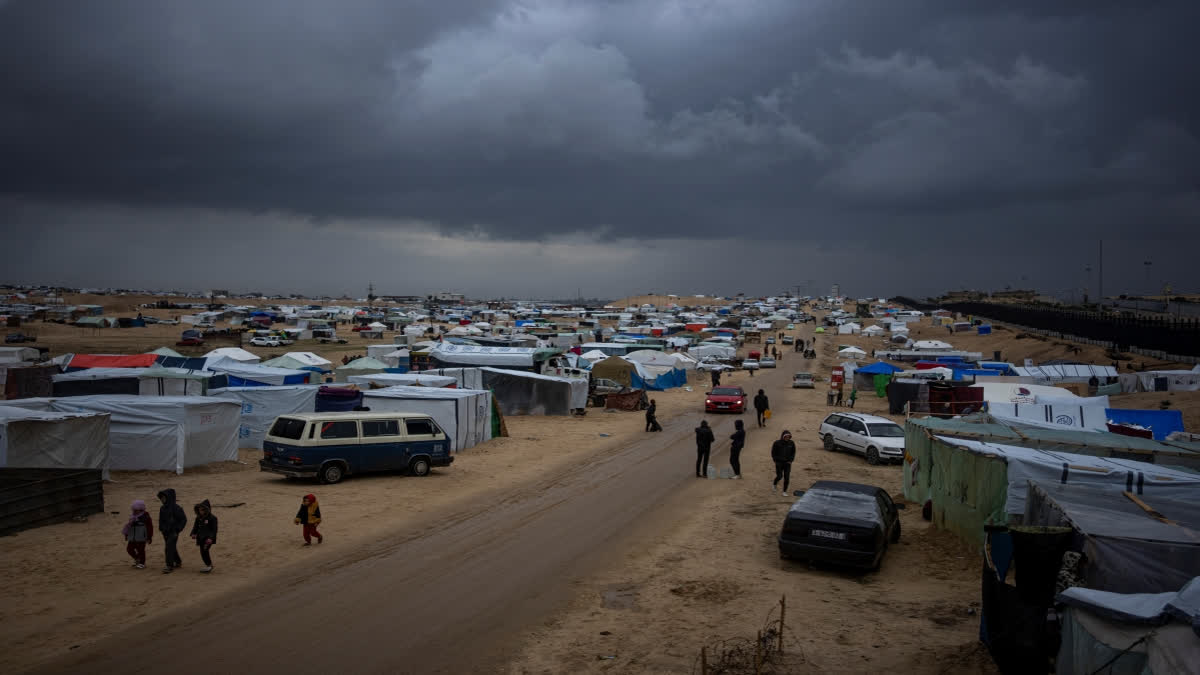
<point>370,293</point>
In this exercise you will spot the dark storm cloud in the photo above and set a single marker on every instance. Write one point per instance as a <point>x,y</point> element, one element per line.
<point>808,121</point>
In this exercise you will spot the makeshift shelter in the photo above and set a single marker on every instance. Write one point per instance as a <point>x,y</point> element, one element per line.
<point>309,360</point>
<point>616,369</point>
<point>13,355</point>
<point>261,405</point>
<point>1090,418</point>
<point>26,380</point>
<point>864,377</point>
<point>1126,548</point>
<point>363,366</point>
<point>931,345</point>
<point>242,374</point>
<point>464,414</point>
<point>872,331</point>
<point>158,433</point>
<point>1009,392</point>
<point>153,381</point>
<point>849,329</point>
<point>1161,380</point>
<point>523,393</point>
<point>460,356</point>
<point>290,362</point>
<point>971,483</point>
<point>233,354</point>
<point>1130,634</point>
<point>81,361</point>
<point>594,356</point>
<point>35,439</point>
<point>1161,423</point>
<point>167,351</point>
<point>383,380</point>
<point>1065,372</point>
<point>851,352</point>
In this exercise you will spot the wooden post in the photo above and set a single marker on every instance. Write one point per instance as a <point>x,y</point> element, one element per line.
<point>758,654</point>
<point>782,617</point>
<point>704,661</point>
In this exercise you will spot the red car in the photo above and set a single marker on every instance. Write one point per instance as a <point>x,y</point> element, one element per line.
<point>725,399</point>
<point>190,342</point>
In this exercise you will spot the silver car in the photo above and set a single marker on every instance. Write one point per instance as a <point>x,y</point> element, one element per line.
<point>876,438</point>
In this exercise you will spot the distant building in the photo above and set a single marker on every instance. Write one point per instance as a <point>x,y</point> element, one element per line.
<point>960,296</point>
<point>1024,296</point>
<point>449,297</point>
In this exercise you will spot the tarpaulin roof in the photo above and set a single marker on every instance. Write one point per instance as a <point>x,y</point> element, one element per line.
<point>879,368</point>
<point>113,360</point>
<point>235,353</point>
<point>1065,372</point>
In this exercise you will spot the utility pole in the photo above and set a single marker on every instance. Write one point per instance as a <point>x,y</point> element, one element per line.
<point>1100,290</point>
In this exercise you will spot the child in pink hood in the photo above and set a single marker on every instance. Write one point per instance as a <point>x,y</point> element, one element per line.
<point>138,532</point>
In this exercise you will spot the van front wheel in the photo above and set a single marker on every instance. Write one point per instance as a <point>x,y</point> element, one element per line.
<point>332,473</point>
<point>419,467</point>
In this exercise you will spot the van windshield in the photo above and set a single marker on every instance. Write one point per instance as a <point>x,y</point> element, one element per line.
<point>287,427</point>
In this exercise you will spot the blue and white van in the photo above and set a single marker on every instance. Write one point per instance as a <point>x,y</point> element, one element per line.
<point>331,446</point>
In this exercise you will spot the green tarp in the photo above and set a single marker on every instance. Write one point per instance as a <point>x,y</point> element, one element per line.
<point>881,383</point>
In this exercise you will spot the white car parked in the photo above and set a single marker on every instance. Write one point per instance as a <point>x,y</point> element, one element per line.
<point>876,438</point>
<point>264,341</point>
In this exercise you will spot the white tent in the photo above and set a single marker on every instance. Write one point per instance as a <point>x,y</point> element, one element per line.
<point>464,414</point>
<point>472,355</point>
<point>377,326</point>
<point>711,350</point>
<point>851,351</point>
<point>383,380</point>
<point>9,355</point>
<point>1085,417</point>
<point>931,345</point>
<point>157,433</point>
<point>232,353</point>
<point>849,329</point>
<point>255,373</point>
<point>594,355</point>
<point>872,330</point>
<point>309,359</point>
<point>261,405</point>
<point>1008,392</point>
<point>33,439</point>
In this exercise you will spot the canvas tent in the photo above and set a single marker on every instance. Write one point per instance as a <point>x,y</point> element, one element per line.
<point>382,380</point>
<point>1130,634</point>
<point>1126,549</point>
<point>157,433</point>
<point>363,366</point>
<point>12,355</point>
<point>616,369</point>
<point>232,353</point>
<point>464,414</point>
<point>37,439</point>
<point>153,381</point>
<point>524,393</point>
<point>241,374</point>
<point>931,345</point>
<point>972,483</point>
<point>864,377</point>
<point>851,352</point>
<point>1087,417</point>
<point>261,405</point>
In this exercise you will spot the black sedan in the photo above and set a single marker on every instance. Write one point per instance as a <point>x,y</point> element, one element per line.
<point>843,523</point>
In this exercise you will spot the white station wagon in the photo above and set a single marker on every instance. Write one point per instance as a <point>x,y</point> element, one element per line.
<point>876,438</point>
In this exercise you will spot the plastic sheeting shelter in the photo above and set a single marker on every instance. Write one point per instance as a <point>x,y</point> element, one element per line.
<point>261,405</point>
<point>1130,634</point>
<point>33,439</point>
<point>158,433</point>
<point>616,369</point>
<point>971,483</point>
<point>363,366</point>
<point>232,353</point>
<point>155,381</point>
<point>255,375</point>
<point>80,361</point>
<point>501,357</point>
<point>464,414</point>
<point>1065,373</point>
<point>383,380</point>
<point>1091,418</point>
<point>1126,550</point>
<point>1161,422</point>
<point>522,393</point>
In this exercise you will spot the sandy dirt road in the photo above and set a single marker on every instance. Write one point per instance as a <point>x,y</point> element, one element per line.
<point>450,596</point>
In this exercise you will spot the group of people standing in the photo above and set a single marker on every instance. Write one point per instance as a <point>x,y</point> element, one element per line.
<point>783,453</point>
<point>139,531</point>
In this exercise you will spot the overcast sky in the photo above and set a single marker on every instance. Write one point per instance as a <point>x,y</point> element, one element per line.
<point>544,148</point>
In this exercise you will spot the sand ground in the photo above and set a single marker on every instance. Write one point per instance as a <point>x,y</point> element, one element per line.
<point>705,580</point>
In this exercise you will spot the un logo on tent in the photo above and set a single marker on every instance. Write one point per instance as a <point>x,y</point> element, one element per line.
<point>1065,419</point>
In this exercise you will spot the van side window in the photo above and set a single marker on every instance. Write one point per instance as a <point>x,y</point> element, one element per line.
<point>380,428</point>
<point>339,429</point>
<point>419,427</point>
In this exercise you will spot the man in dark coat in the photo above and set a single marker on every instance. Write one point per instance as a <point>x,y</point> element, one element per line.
<point>783,452</point>
<point>704,441</point>
<point>171,521</point>
<point>761,405</point>
<point>652,421</point>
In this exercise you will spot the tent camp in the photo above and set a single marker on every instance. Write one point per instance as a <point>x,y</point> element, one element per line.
<point>972,483</point>
<point>300,361</point>
<point>233,354</point>
<point>261,405</point>
<point>241,374</point>
<point>382,380</point>
<point>464,414</point>
<point>36,439</point>
<point>153,381</point>
<point>158,433</point>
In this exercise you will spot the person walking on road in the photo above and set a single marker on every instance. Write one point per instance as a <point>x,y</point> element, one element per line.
<point>737,442</point>
<point>309,516</point>
<point>704,441</point>
<point>761,405</point>
<point>171,521</point>
<point>138,533</point>
<point>783,452</point>
<point>204,531</point>
<point>651,420</point>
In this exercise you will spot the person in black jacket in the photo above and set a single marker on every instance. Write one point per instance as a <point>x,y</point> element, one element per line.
<point>171,521</point>
<point>783,452</point>
<point>204,531</point>
<point>761,405</point>
<point>704,441</point>
<point>652,421</point>
<point>737,442</point>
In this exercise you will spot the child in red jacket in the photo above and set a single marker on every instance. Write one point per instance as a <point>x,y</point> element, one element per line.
<point>309,515</point>
<point>138,532</point>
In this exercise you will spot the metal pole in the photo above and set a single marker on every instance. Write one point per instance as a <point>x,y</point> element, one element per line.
<point>1100,291</point>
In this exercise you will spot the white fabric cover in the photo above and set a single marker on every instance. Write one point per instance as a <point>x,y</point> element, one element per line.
<point>1008,392</point>
<point>473,355</point>
<point>594,355</point>
<point>1088,417</point>
<point>261,405</point>
<point>255,372</point>
<point>1065,373</point>
<point>402,379</point>
<point>157,433</point>
<point>579,386</point>
<point>233,353</point>
<point>1026,464</point>
<point>32,439</point>
<point>931,345</point>
<point>309,359</point>
<point>711,350</point>
<point>12,355</point>
<point>464,414</point>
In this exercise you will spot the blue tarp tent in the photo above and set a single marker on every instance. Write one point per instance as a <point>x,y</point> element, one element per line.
<point>984,330</point>
<point>879,368</point>
<point>1160,422</point>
